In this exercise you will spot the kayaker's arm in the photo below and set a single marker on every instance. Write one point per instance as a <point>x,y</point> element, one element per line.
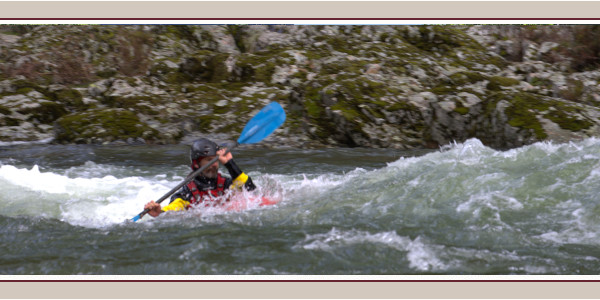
<point>176,205</point>
<point>239,178</point>
<point>153,208</point>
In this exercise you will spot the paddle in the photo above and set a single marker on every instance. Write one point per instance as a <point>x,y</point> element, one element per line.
<point>259,127</point>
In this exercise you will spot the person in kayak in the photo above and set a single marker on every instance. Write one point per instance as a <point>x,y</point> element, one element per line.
<point>208,188</point>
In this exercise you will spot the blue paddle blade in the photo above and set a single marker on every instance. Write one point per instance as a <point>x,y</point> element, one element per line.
<point>264,123</point>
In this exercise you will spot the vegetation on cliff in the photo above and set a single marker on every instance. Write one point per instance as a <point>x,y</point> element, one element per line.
<point>370,86</point>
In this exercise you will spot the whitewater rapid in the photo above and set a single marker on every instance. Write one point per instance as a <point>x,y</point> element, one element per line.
<point>465,208</point>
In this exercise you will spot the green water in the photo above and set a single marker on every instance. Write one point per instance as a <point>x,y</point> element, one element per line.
<point>464,209</point>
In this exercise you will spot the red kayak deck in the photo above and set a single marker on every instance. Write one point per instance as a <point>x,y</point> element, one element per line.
<point>243,203</point>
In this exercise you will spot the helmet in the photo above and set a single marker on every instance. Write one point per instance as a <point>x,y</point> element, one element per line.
<point>203,147</point>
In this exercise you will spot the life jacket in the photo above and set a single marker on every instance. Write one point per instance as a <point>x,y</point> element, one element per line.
<point>208,196</point>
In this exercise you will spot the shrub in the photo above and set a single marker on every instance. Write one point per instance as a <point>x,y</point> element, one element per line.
<point>70,68</point>
<point>134,48</point>
<point>574,90</point>
<point>31,69</point>
<point>16,29</point>
<point>578,43</point>
<point>585,49</point>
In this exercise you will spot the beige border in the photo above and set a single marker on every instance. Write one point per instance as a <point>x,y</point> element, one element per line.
<point>298,9</point>
<point>300,290</point>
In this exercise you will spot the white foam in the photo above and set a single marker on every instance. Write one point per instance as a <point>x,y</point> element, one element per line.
<point>52,183</point>
<point>82,201</point>
<point>578,228</point>
<point>420,255</point>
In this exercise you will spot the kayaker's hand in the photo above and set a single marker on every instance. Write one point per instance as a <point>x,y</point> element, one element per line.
<point>154,208</point>
<point>223,159</point>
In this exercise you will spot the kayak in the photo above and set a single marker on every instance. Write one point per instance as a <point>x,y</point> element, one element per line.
<point>243,203</point>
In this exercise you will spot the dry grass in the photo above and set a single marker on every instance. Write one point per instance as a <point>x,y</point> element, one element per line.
<point>133,52</point>
<point>66,62</point>
<point>585,48</point>
<point>31,69</point>
<point>580,44</point>
<point>71,68</point>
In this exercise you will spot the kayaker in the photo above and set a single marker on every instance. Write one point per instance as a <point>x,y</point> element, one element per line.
<point>210,187</point>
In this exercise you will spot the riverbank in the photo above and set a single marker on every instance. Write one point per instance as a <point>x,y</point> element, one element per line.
<point>401,87</point>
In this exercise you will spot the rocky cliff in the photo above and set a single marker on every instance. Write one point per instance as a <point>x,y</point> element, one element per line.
<point>402,87</point>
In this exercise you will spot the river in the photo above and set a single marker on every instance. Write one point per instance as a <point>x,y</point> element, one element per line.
<point>462,209</point>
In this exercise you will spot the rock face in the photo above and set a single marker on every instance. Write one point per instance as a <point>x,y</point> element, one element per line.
<point>398,87</point>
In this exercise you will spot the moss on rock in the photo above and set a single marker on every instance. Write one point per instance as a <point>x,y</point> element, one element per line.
<point>107,73</point>
<point>71,97</point>
<point>439,38</point>
<point>342,44</point>
<point>46,113</point>
<point>207,66</point>
<point>568,122</point>
<point>12,122</point>
<point>526,107</point>
<point>462,110</point>
<point>496,83</point>
<point>360,90</point>
<point>312,103</point>
<point>205,123</point>
<point>462,78</point>
<point>457,82</point>
<point>573,91</point>
<point>541,82</point>
<point>522,113</point>
<point>166,72</point>
<point>402,105</point>
<point>98,126</point>
<point>23,86</point>
<point>344,66</point>
<point>5,111</point>
<point>444,89</point>
<point>256,68</point>
<point>145,104</point>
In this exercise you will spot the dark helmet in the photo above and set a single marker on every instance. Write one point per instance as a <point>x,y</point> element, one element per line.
<point>203,147</point>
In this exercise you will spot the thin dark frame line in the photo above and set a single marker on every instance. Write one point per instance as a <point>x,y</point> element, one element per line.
<point>308,19</point>
<point>308,280</point>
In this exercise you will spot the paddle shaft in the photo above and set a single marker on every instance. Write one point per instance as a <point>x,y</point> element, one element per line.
<point>184,182</point>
